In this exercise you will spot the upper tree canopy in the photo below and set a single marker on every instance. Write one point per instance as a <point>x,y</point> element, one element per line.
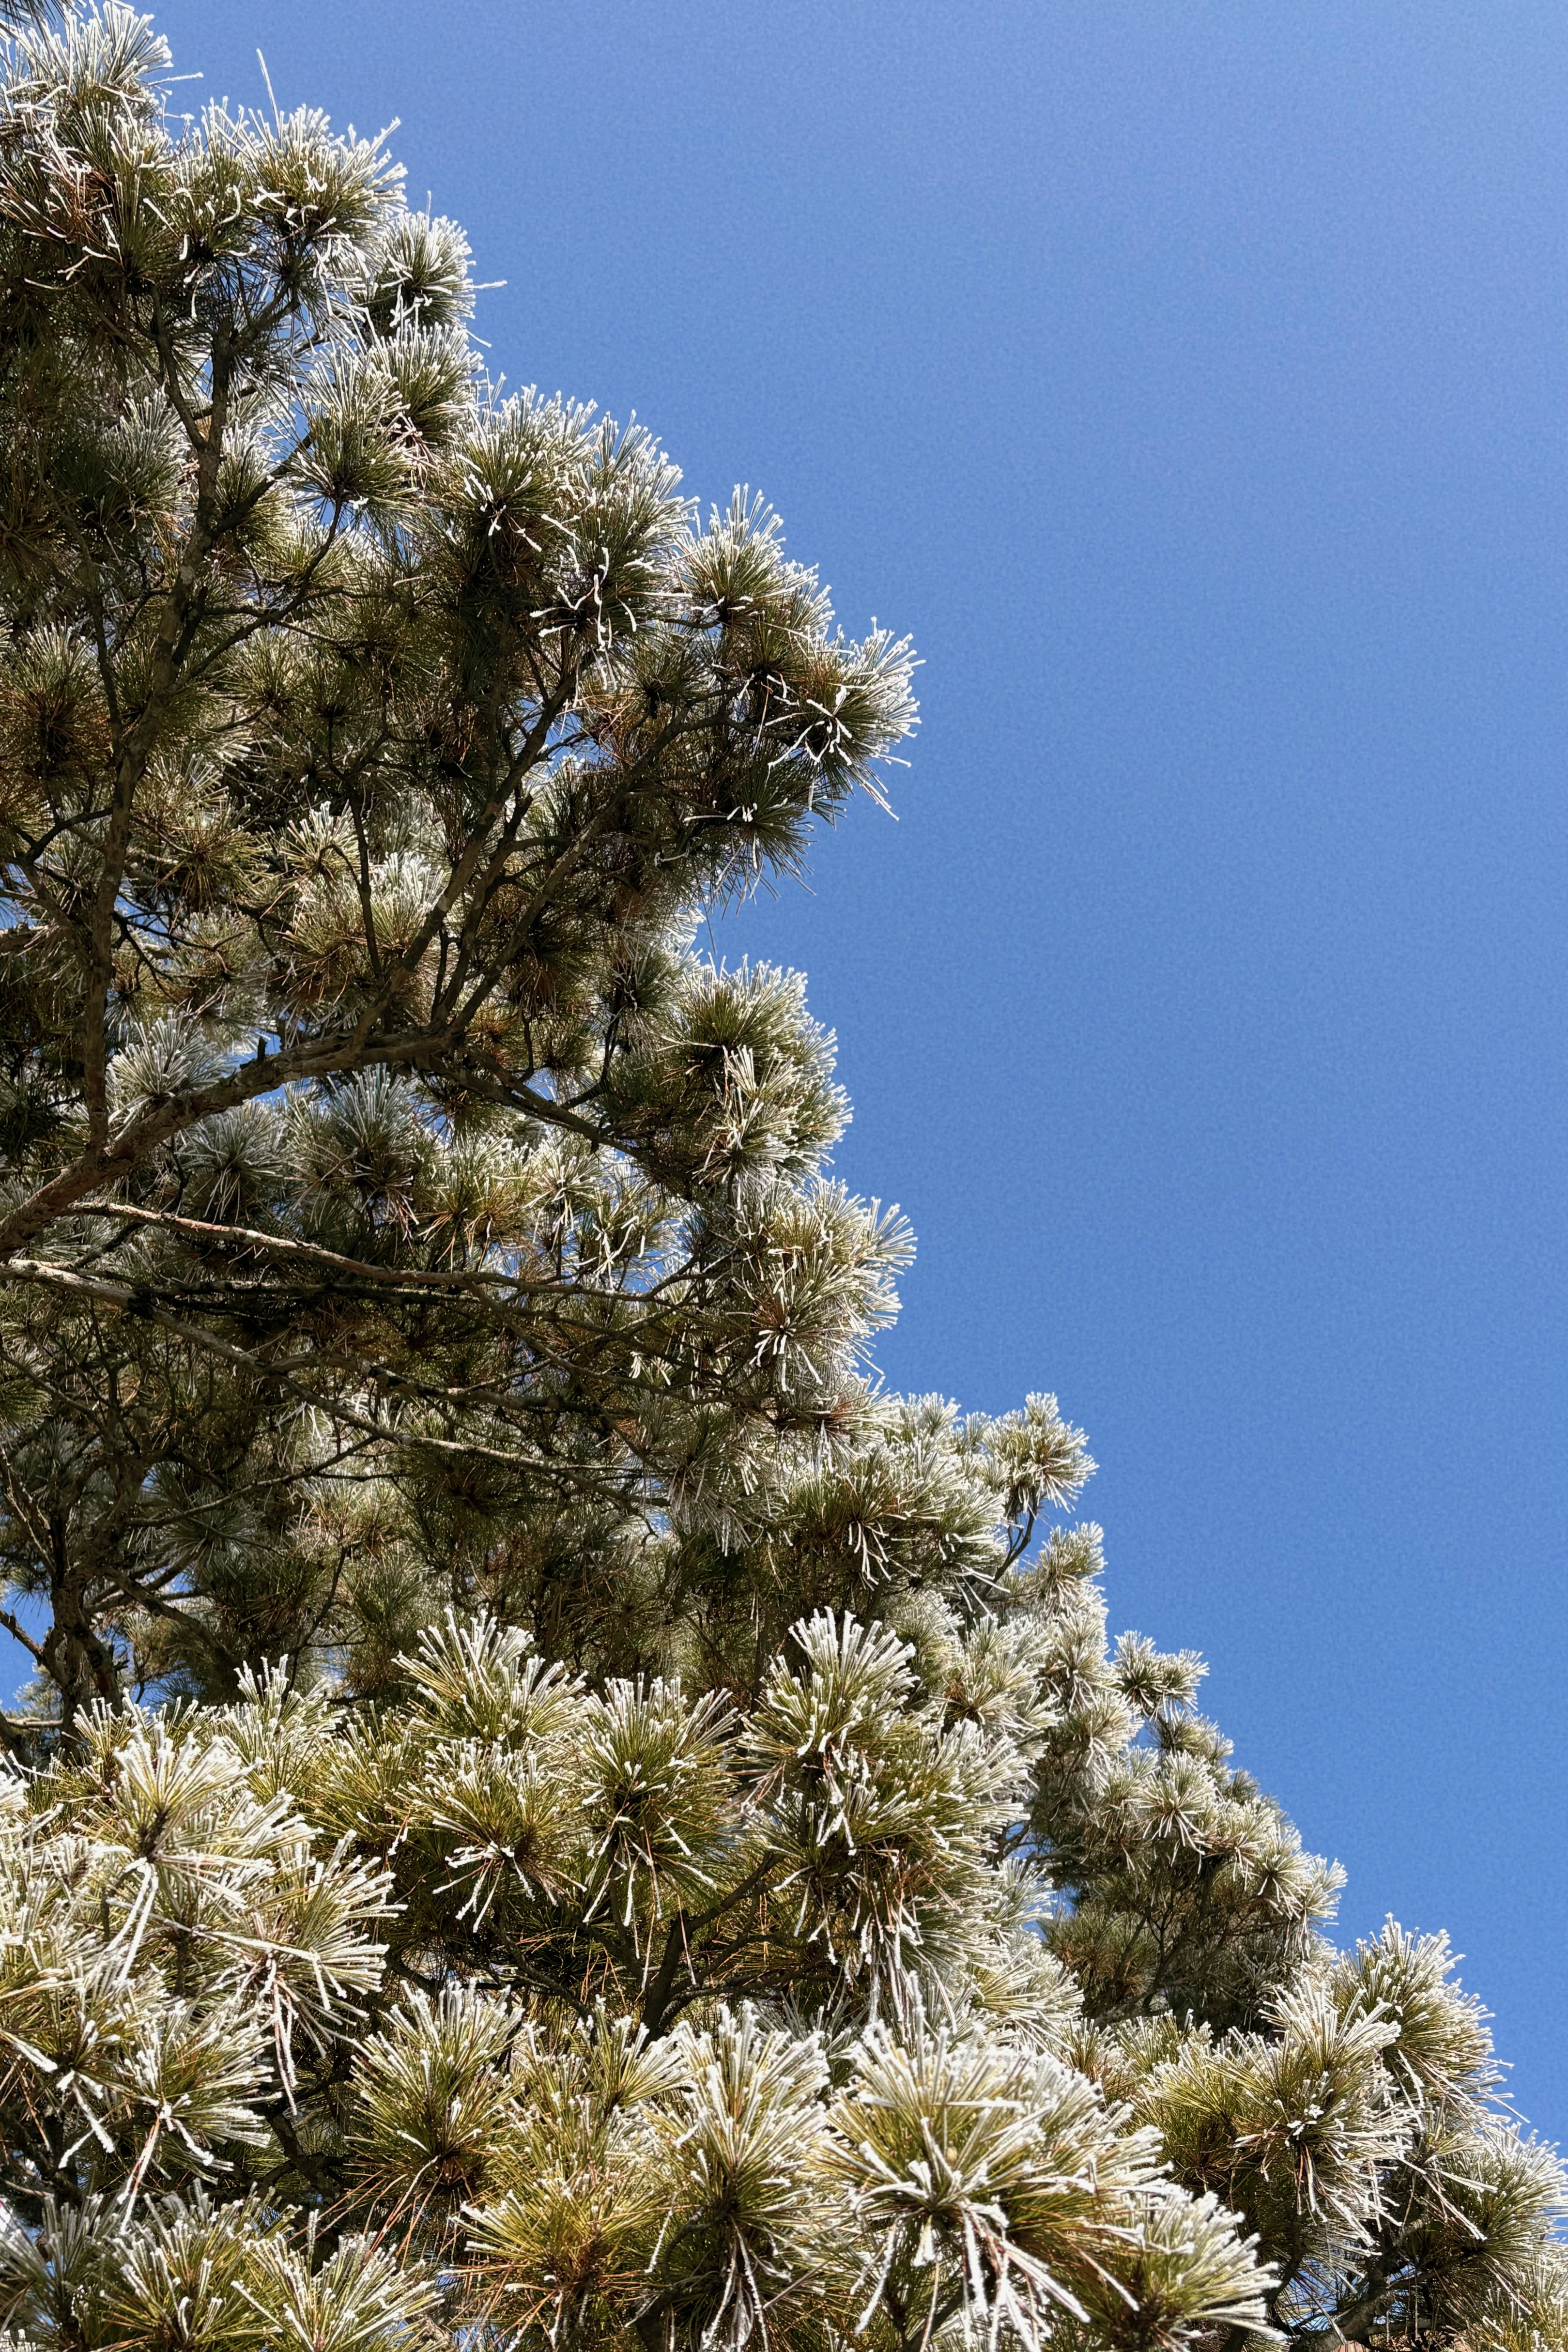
<point>553,1811</point>
<point>370,743</point>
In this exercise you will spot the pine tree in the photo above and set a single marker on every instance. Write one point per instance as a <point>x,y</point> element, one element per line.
<point>554,1810</point>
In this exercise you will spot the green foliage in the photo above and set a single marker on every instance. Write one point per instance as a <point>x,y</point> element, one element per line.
<point>597,2075</point>
<point>553,1811</point>
<point>622,2016</point>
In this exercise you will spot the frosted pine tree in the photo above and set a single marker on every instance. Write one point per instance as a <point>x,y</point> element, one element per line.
<point>553,1811</point>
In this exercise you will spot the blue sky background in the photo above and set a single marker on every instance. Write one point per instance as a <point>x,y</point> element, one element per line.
<point>1189,381</point>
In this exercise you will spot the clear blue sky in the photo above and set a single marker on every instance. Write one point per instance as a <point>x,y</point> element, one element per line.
<point>1189,379</point>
